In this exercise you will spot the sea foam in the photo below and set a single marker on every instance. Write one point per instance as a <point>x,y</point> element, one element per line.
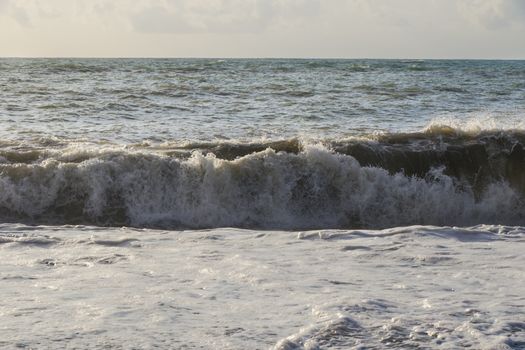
<point>313,186</point>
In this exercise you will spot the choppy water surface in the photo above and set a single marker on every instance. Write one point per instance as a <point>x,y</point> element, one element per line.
<point>400,186</point>
<point>133,100</point>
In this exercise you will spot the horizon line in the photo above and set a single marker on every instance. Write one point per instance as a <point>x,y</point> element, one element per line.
<point>270,58</point>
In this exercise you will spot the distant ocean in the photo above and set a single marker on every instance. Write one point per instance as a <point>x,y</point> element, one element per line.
<point>262,203</point>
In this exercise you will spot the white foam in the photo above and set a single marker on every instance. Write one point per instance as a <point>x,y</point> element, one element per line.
<point>316,188</point>
<point>476,123</point>
<point>421,286</point>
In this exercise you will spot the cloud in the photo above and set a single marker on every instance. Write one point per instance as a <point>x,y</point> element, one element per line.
<point>262,28</point>
<point>220,16</point>
<point>516,8</point>
<point>20,15</point>
<point>160,20</point>
<point>494,14</point>
<point>17,13</point>
<point>3,5</point>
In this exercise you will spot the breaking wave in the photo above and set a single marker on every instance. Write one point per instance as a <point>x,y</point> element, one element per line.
<point>442,176</point>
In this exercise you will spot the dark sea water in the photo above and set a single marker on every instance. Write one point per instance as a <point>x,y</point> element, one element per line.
<point>255,204</point>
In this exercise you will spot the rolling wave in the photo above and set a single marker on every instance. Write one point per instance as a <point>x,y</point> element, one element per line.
<point>437,177</point>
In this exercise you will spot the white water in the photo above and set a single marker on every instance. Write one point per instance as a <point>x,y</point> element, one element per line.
<point>316,188</point>
<point>429,287</point>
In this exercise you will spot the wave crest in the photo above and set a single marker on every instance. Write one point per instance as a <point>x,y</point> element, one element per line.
<point>313,186</point>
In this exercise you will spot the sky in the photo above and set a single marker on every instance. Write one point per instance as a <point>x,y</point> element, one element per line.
<point>263,28</point>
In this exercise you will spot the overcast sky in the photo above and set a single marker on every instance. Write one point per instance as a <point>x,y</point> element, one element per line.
<point>264,28</point>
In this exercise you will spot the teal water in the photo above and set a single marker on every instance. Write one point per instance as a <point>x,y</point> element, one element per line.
<point>132,100</point>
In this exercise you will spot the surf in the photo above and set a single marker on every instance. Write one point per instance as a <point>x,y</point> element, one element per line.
<point>429,178</point>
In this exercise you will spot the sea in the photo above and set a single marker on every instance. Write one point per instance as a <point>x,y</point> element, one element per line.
<point>277,204</point>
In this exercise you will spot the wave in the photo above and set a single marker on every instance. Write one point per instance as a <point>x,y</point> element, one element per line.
<point>442,176</point>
